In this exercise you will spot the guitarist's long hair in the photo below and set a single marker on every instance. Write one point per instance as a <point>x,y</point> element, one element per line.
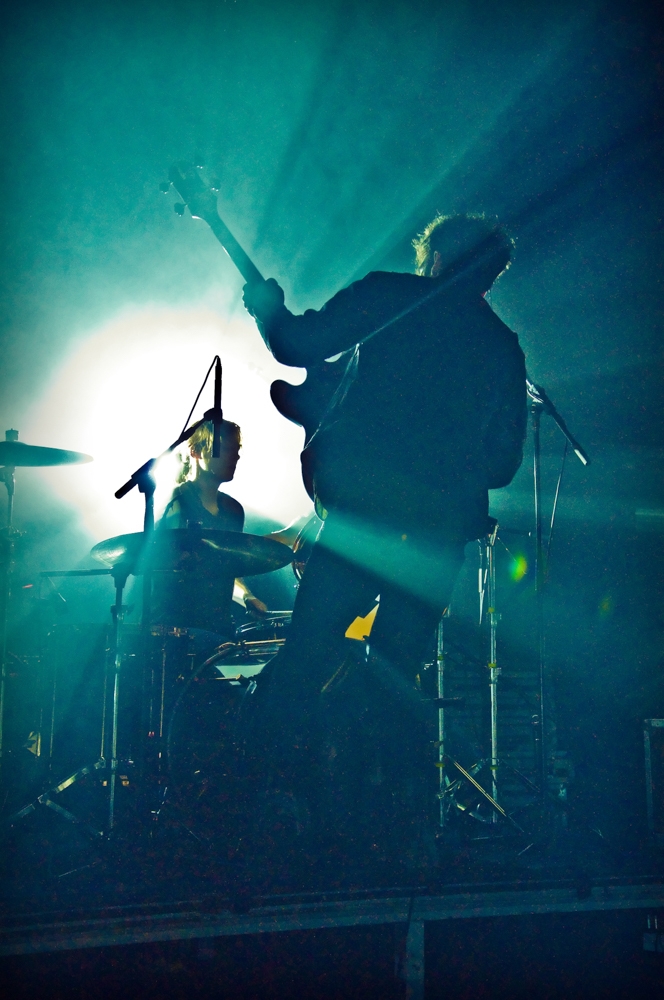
<point>201,442</point>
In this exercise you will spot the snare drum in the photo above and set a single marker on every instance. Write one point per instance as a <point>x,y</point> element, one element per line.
<point>271,626</point>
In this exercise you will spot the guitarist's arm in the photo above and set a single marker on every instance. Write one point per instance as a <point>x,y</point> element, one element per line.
<point>303,340</point>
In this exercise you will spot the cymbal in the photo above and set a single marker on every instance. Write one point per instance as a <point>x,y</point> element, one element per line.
<point>237,552</point>
<point>18,453</point>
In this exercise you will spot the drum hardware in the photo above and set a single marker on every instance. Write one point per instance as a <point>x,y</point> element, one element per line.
<point>109,766</point>
<point>488,583</point>
<point>15,454</point>
<point>231,554</point>
<point>257,646</point>
<point>449,702</point>
<point>240,553</point>
<point>108,759</point>
<point>539,403</point>
<point>127,556</point>
<point>143,554</point>
<point>50,575</point>
<point>453,786</point>
<point>163,550</point>
<point>234,679</point>
<point>201,732</point>
<point>487,611</point>
<point>270,626</point>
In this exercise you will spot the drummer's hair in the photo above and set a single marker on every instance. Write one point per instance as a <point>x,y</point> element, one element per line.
<point>201,442</point>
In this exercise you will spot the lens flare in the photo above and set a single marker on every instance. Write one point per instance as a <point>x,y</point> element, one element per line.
<point>606,606</point>
<point>518,568</point>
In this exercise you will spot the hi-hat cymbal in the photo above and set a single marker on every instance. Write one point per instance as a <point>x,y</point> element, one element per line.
<point>237,552</point>
<point>18,453</point>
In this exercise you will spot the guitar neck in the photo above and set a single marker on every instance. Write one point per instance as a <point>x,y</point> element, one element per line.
<point>202,203</point>
<point>242,260</point>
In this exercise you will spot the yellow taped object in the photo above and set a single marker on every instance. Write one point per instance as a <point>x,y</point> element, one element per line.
<point>361,627</point>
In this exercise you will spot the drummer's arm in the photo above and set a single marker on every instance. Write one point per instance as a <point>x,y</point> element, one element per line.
<point>243,595</point>
<point>287,536</point>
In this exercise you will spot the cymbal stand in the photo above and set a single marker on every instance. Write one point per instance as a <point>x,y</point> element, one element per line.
<point>447,789</point>
<point>118,611</point>
<point>108,759</point>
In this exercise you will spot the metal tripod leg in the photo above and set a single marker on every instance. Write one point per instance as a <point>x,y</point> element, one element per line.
<point>120,575</point>
<point>494,669</point>
<point>45,799</point>
<point>106,760</point>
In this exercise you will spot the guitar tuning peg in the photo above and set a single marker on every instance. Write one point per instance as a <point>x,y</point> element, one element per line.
<point>179,208</point>
<point>165,187</point>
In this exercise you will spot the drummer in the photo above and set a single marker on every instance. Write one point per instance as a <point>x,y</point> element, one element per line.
<point>198,499</point>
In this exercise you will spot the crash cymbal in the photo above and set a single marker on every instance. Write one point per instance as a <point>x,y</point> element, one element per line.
<point>14,452</point>
<point>237,552</point>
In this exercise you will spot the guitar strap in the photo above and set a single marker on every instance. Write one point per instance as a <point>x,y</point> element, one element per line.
<point>308,455</point>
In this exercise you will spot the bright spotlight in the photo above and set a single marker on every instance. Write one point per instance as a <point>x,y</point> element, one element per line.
<point>124,393</point>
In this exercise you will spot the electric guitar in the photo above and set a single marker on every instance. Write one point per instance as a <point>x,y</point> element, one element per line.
<point>303,404</point>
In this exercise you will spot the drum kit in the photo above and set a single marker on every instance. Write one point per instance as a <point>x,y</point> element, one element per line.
<point>171,678</point>
<point>190,699</point>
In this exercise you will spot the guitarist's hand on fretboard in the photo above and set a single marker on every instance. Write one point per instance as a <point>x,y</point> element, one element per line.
<point>263,299</point>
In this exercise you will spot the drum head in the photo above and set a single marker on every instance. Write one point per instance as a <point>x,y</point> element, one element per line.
<point>271,626</point>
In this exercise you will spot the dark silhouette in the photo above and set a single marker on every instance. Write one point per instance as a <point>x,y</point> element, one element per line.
<point>429,415</point>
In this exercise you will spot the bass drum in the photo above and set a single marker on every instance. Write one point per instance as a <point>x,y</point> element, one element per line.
<point>207,788</point>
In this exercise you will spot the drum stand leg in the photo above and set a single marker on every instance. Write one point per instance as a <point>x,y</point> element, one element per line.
<point>447,788</point>
<point>120,573</point>
<point>106,761</point>
<point>494,669</point>
<point>118,611</point>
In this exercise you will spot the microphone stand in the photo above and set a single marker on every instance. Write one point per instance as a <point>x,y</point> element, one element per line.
<point>143,479</point>
<point>216,413</point>
<point>540,403</point>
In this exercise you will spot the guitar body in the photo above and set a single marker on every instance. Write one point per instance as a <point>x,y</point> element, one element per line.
<point>306,404</point>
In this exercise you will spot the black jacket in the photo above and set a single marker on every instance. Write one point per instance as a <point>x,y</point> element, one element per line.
<point>432,414</point>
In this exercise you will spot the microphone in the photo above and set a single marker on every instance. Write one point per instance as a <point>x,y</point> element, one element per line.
<point>216,414</point>
<point>540,398</point>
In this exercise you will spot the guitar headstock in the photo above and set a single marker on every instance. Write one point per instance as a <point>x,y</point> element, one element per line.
<point>202,201</point>
<point>201,198</point>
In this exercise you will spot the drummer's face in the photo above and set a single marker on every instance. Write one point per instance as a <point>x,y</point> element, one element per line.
<point>222,468</point>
